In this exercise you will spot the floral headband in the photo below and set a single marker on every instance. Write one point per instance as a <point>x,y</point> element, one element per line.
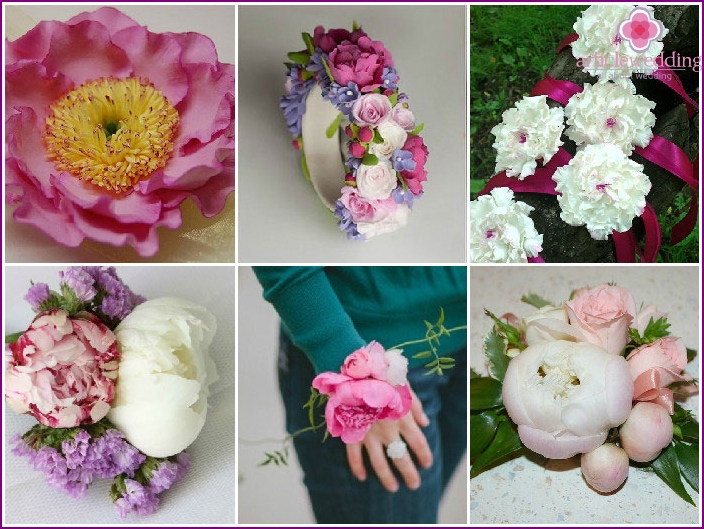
<point>600,187</point>
<point>345,79</point>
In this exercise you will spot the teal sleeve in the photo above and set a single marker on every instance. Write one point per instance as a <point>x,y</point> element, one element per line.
<point>311,313</point>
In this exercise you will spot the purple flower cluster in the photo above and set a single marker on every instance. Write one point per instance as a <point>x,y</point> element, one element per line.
<point>294,102</point>
<point>78,279</point>
<point>118,300</point>
<point>80,461</point>
<point>143,499</point>
<point>345,222</point>
<point>390,78</point>
<point>343,97</point>
<point>37,295</point>
<point>403,160</point>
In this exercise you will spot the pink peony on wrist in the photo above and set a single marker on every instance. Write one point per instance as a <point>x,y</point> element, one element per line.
<point>62,370</point>
<point>371,386</point>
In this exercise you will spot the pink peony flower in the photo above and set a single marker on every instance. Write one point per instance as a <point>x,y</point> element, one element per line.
<point>327,41</point>
<point>414,179</point>
<point>62,370</point>
<point>371,109</point>
<point>110,127</point>
<point>606,468</point>
<point>360,62</point>
<point>355,404</point>
<point>655,366</point>
<point>603,315</point>
<point>368,361</point>
<point>646,432</point>
<point>364,210</point>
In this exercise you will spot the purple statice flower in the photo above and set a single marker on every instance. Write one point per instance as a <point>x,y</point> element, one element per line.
<point>401,195</point>
<point>118,300</point>
<point>136,498</point>
<point>343,97</point>
<point>183,462</point>
<point>316,65</point>
<point>53,464</point>
<point>390,78</point>
<point>110,455</point>
<point>403,160</point>
<point>37,295</point>
<point>345,222</point>
<point>75,450</point>
<point>294,102</point>
<point>80,280</point>
<point>22,449</point>
<point>165,475</point>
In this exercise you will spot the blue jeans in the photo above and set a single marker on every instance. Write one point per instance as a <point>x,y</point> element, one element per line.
<point>336,495</point>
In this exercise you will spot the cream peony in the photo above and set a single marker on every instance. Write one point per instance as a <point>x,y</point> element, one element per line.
<point>602,189</point>
<point>164,374</point>
<point>501,230</point>
<point>602,52</point>
<point>565,396</point>
<point>610,112</point>
<point>529,131</point>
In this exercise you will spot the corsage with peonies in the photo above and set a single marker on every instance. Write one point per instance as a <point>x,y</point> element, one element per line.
<point>117,383</point>
<point>595,377</point>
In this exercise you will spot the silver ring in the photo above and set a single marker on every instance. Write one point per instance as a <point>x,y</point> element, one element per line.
<point>396,449</point>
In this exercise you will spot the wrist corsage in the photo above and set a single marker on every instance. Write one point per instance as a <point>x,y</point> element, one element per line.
<point>345,80</point>
<point>117,383</point>
<point>593,377</point>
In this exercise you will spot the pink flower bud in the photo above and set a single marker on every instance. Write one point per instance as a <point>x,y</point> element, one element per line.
<point>646,432</point>
<point>357,150</point>
<point>606,468</point>
<point>365,134</point>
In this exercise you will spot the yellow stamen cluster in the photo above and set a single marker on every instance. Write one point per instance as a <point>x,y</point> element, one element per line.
<point>81,138</point>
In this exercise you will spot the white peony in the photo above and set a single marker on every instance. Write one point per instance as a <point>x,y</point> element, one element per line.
<point>501,230</point>
<point>394,138</point>
<point>602,52</point>
<point>610,112</point>
<point>529,131</point>
<point>602,189</point>
<point>397,367</point>
<point>164,373</point>
<point>376,182</point>
<point>398,218</point>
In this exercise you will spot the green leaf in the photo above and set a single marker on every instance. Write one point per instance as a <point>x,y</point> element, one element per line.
<point>495,351</point>
<point>505,443</point>
<point>422,354</point>
<point>688,459</point>
<point>370,159</point>
<point>482,428</point>
<point>12,338</point>
<point>476,185</point>
<point>299,57</point>
<point>484,394</point>
<point>512,335</point>
<point>653,331</point>
<point>306,75</point>
<point>377,137</point>
<point>473,374</point>
<point>418,129</point>
<point>309,42</point>
<point>690,432</point>
<point>334,126</point>
<point>535,300</point>
<point>441,318</point>
<point>393,98</point>
<point>691,354</point>
<point>667,468</point>
<point>304,165</point>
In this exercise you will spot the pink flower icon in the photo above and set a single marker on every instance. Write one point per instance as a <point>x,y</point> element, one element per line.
<point>640,29</point>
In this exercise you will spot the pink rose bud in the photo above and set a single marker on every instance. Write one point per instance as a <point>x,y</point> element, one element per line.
<point>357,150</point>
<point>646,432</point>
<point>606,468</point>
<point>296,145</point>
<point>365,134</point>
<point>349,132</point>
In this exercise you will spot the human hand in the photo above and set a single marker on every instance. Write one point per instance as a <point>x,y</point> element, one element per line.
<point>383,433</point>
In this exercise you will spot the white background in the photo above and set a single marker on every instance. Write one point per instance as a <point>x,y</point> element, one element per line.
<point>206,495</point>
<point>280,216</point>
<point>522,491</point>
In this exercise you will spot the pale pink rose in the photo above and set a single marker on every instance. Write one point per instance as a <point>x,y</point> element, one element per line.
<point>364,210</point>
<point>606,468</point>
<point>603,315</point>
<point>402,115</point>
<point>361,62</point>
<point>166,164</point>
<point>376,182</point>
<point>371,110</point>
<point>62,370</point>
<point>565,396</point>
<point>646,432</point>
<point>355,404</point>
<point>368,361</point>
<point>655,366</point>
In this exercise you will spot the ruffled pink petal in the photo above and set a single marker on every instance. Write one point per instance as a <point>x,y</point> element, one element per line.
<point>33,45</point>
<point>114,20</point>
<point>29,85</point>
<point>207,109</point>
<point>84,52</point>
<point>328,382</point>
<point>197,49</point>
<point>156,57</point>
